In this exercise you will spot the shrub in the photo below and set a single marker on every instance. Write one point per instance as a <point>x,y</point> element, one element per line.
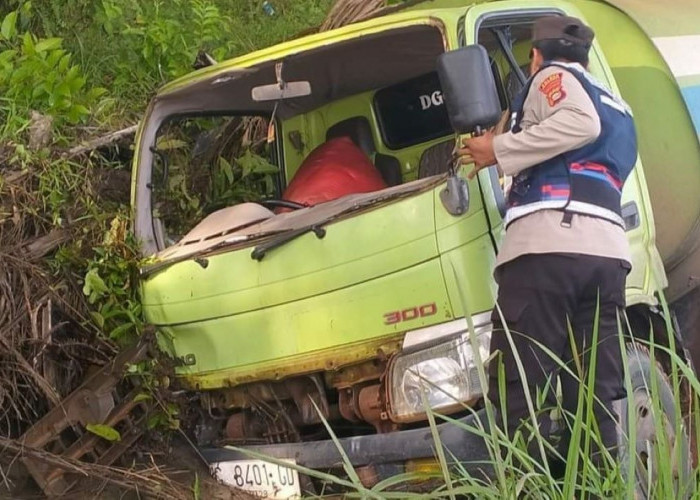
<point>38,73</point>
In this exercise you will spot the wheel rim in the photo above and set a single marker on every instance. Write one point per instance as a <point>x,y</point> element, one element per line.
<point>647,444</point>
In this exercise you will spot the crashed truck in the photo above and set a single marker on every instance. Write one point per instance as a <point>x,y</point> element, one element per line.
<point>341,289</point>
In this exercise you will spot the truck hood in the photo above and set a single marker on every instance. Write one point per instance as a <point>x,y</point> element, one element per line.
<point>218,276</point>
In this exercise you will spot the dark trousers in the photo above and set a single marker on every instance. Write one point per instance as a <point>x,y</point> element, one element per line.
<point>540,295</point>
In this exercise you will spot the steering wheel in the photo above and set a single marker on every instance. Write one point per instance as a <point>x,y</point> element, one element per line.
<point>272,203</point>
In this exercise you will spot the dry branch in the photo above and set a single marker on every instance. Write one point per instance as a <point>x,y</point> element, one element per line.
<point>44,352</point>
<point>42,245</point>
<point>101,142</point>
<point>345,12</point>
<point>150,481</point>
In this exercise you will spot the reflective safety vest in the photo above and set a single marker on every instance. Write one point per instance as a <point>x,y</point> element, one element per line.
<point>587,180</point>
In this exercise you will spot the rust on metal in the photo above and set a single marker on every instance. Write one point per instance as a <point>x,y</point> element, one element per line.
<point>241,426</point>
<point>346,405</point>
<point>294,365</point>
<point>368,475</point>
<point>372,408</point>
<point>365,403</point>
<point>348,376</point>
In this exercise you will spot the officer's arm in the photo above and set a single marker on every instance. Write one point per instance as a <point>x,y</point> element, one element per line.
<point>560,117</point>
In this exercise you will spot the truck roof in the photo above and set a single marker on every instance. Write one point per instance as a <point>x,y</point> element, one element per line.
<point>404,17</point>
<point>673,28</point>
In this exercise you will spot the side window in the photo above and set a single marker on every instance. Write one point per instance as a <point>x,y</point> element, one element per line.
<point>508,45</point>
<point>412,112</point>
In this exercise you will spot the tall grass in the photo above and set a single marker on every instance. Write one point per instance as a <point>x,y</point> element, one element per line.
<point>652,395</point>
<point>655,456</point>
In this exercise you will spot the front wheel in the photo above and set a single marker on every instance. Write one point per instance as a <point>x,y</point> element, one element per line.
<point>663,461</point>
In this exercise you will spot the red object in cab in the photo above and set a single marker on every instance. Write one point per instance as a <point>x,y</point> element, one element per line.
<point>335,168</point>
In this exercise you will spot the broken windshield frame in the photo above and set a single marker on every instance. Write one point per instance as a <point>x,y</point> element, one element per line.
<point>226,87</point>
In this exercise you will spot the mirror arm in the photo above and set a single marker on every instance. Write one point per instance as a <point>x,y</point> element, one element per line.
<point>455,195</point>
<point>507,50</point>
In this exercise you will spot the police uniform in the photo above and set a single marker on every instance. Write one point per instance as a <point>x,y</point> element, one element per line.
<point>571,146</point>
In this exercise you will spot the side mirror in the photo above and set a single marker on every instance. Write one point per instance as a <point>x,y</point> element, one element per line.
<point>469,89</point>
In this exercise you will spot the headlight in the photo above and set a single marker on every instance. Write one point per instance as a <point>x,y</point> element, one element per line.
<point>447,373</point>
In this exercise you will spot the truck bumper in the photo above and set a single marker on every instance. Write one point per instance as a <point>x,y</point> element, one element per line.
<point>462,443</point>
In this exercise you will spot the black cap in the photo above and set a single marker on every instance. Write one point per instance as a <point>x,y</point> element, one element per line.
<point>566,28</point>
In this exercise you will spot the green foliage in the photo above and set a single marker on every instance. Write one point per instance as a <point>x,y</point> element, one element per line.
<point>104,431</point>
<point>59,56</point>
<point>131,47</point>
<point>161,37</point>
<point>108,284</point>
<point>38,73</point>
<point>202,166</point>
<point>165,418</point>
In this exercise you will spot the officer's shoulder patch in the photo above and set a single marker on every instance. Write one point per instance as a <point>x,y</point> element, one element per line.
<point>553,89</point>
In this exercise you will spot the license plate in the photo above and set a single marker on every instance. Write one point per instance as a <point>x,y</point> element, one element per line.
<point>259,478</point>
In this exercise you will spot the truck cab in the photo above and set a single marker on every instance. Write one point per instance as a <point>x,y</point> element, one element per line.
<point>298,326</point>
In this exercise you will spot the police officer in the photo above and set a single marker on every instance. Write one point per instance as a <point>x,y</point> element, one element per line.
<point>571,146</point>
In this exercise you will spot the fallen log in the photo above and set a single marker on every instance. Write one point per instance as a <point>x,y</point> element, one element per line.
<point>43,245</point>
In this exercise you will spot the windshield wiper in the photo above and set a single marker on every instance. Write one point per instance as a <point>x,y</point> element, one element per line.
<point>261,250</point>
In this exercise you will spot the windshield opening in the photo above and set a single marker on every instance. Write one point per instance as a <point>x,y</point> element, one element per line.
<point>207,163</point>
<point>207,147</point>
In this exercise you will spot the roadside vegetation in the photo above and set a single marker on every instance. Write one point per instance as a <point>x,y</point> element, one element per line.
<point>74,70</point>
<point>71,72</point>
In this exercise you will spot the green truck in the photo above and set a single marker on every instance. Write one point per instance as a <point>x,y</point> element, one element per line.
<point>283,315</point>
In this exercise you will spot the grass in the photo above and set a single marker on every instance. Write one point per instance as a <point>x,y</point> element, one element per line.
<point>94,64</point>
<point>518,474</point>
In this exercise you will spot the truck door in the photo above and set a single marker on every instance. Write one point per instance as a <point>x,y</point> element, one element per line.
<point>505,30</point>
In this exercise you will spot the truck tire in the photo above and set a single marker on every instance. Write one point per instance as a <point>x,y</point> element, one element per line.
<point>642,373</point>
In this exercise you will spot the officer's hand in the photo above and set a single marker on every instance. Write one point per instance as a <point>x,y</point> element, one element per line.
<point>478,150</point>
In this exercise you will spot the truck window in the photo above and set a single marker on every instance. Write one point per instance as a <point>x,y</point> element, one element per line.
<point>412,112</point>
<point>508,45</point>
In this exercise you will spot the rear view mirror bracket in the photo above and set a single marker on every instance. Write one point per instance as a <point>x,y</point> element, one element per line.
<point>455,195</point>
<point>282,89</point>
